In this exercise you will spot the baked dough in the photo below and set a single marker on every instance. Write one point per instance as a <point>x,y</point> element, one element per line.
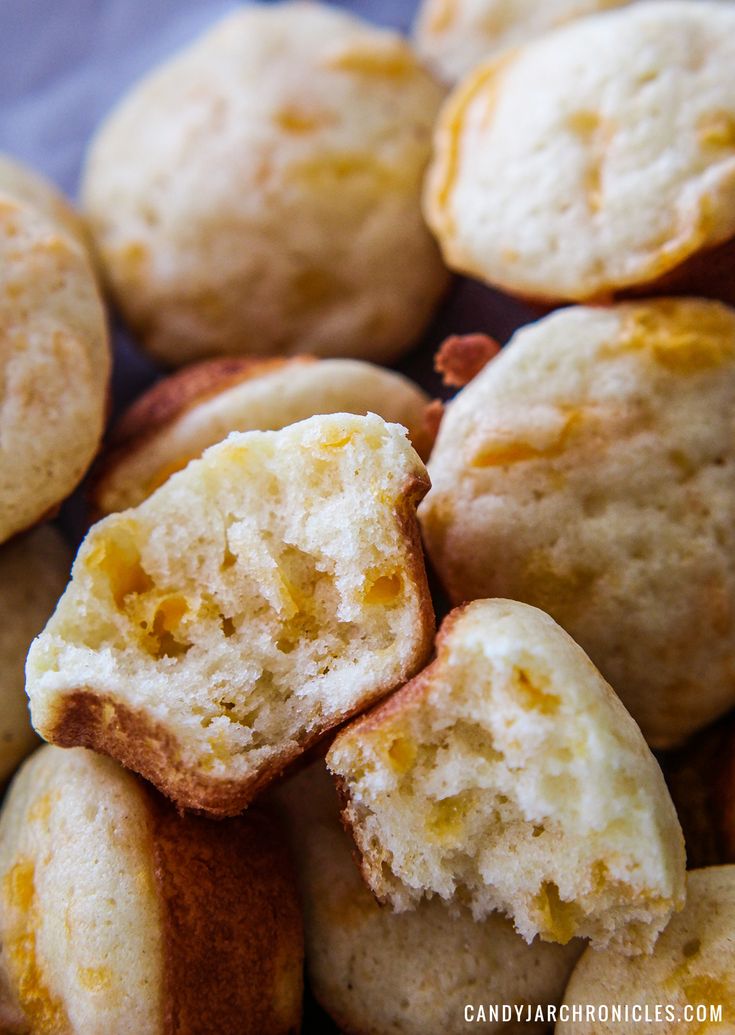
<point>508,776</point>
<point>197,407</point>
<point>376,972</point>
<point>33,573</point>
<point>597,159</point>
<point>33,190</point>
<point>120,917</point>
<point>260,597</point>
<point>590,470</point>
<point>692,965</point>
<point>54,361</point>
<point>260,192</point>
<point>453,36</point>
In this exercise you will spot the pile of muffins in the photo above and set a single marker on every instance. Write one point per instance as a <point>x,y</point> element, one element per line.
<point>246,651</point>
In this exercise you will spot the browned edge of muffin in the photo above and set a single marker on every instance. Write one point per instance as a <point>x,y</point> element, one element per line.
<point>233,944</point>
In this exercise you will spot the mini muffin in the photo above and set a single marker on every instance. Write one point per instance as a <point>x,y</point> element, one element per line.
<point>257,599</point>
<point>382,973</point>
<point>260,193</point>
<point>28,188</point>
<point>54,361</point>
<point>597,159</point>
<point>118,915</point>
<point>182,415</point>
<point>590,470</point>
<point>690,972</point>
<point>33,573</point>
<point>455,35</point>
<point>507,775</point>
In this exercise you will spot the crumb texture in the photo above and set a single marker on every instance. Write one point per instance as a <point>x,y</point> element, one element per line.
<point>508,776</point>
<point>377,972</point>
<point>258,598</point>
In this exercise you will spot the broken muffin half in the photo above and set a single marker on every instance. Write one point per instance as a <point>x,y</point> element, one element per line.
<point>508,776</point>
<point>260,597</point>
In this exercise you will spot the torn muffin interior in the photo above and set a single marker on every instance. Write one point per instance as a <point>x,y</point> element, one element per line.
<point>259,597</point>
<point>508,776</point>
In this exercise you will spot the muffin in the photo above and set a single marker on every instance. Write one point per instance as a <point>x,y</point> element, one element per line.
<point>33,573</point>
<point>455,35</point>
<point>55,360</point>
<point>260,192</point>
<point>589,470</point>
<point>118,915</point>
<point>616,175</point>
<point>690,971</point>
<point>257,599</point>
<point>508,776</point>
<point>382,973</point>
<point>185,413</point>
<point>33,190</point>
